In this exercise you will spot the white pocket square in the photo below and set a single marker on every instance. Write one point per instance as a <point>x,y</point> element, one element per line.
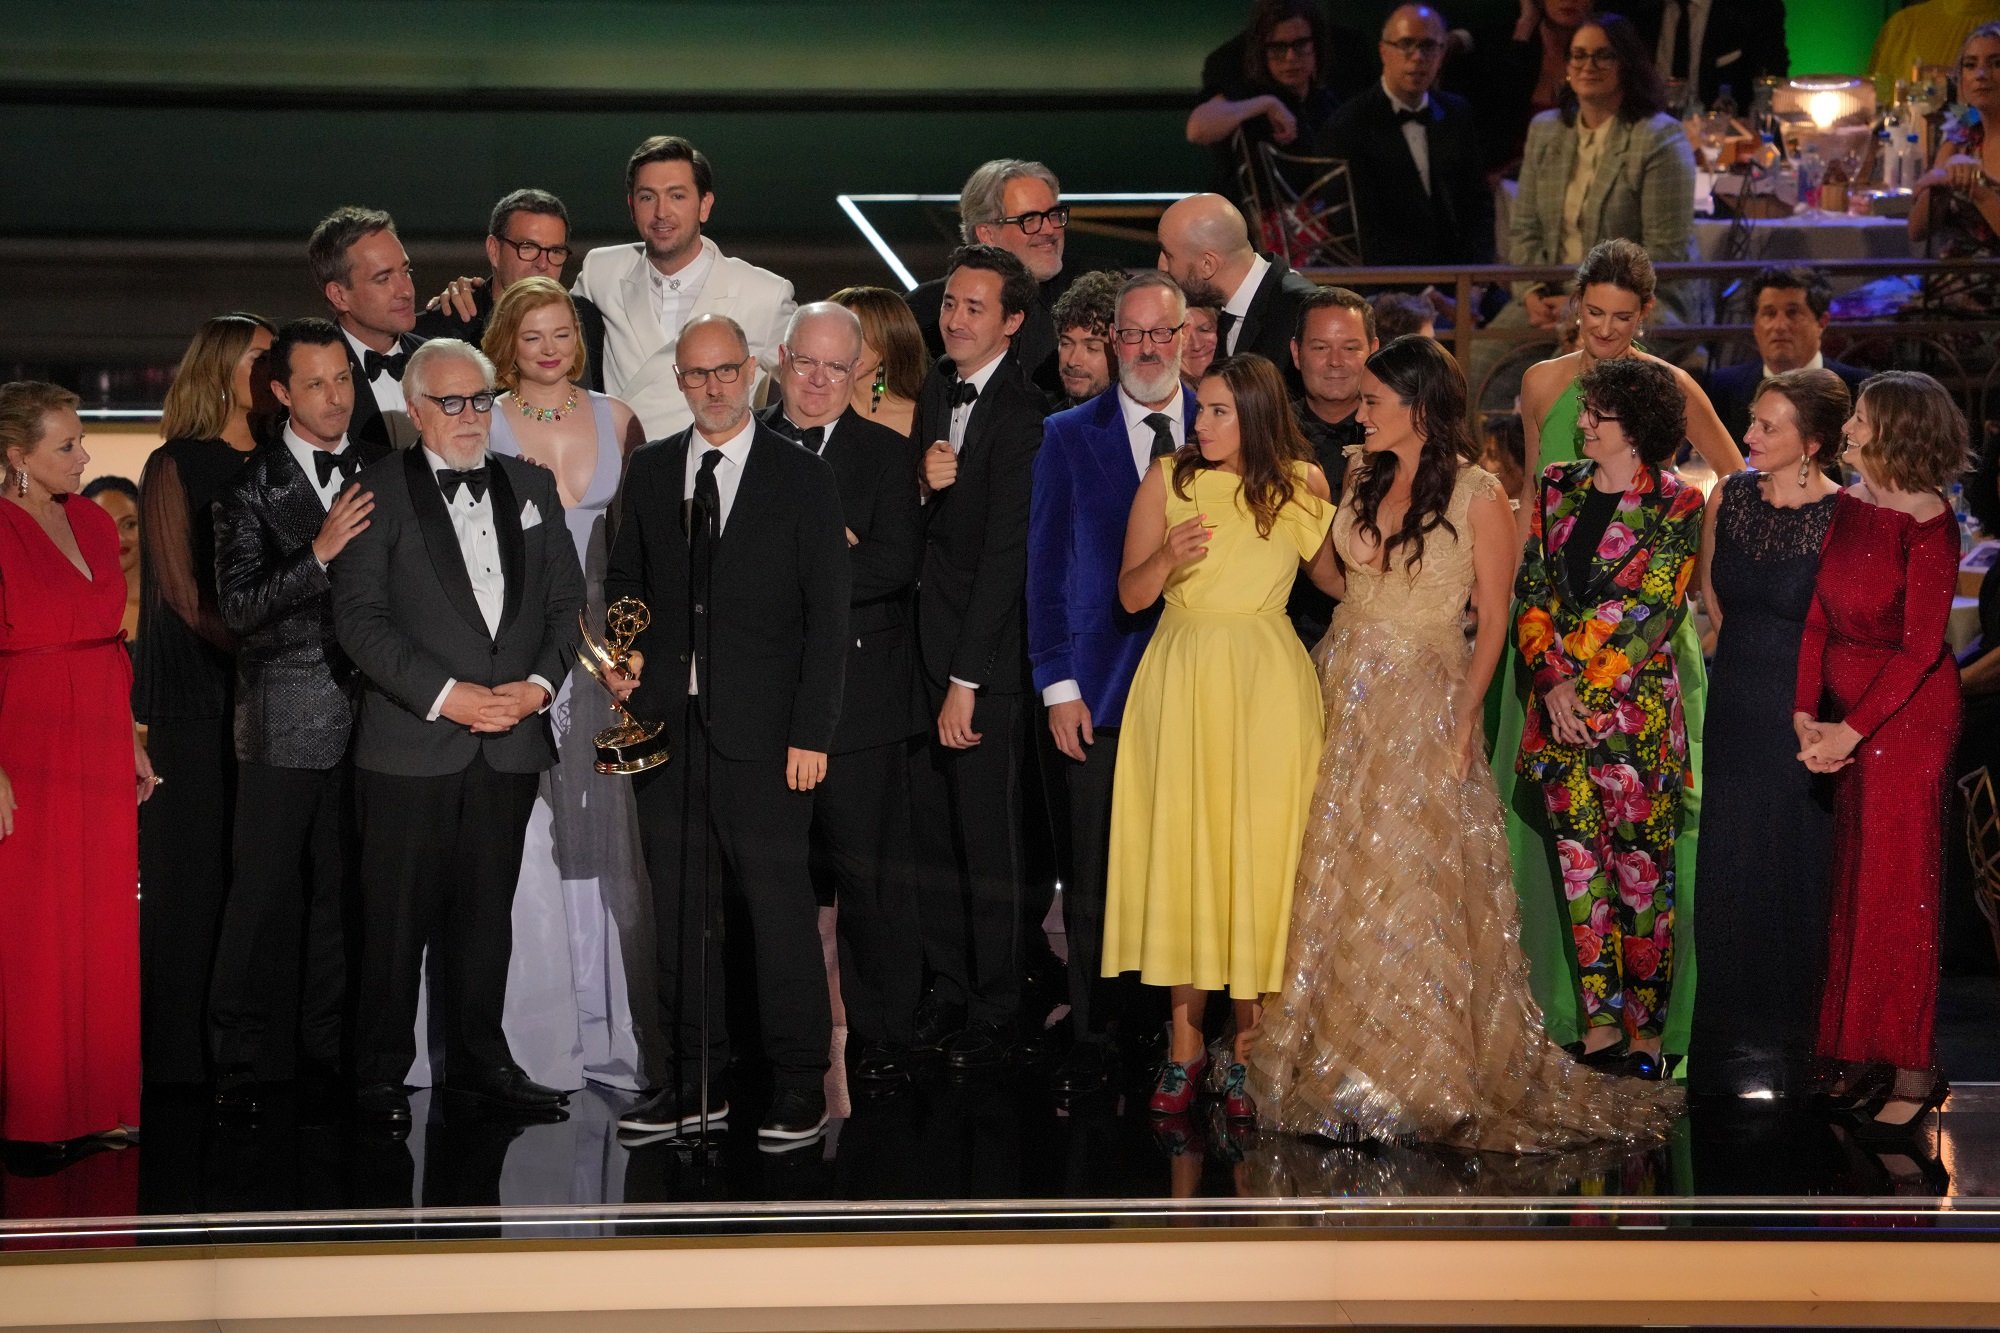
<point>530,516</point>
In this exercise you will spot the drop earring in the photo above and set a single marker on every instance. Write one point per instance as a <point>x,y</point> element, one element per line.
<point>21,481</point>
<point>881,385</point>
<point>1805,469</point>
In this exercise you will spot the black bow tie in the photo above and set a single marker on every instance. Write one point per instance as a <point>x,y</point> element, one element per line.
<point>1411,117</point>
<point>347,462</point>
<point>472,478</point>
<point>374,363</point>
<point>963,391</point>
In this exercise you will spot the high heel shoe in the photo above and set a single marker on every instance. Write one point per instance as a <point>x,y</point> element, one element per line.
<point>1236,1100</point>
<point>1866,1129</point>
<point>1605,1058</point>
<point>1174,1092</point>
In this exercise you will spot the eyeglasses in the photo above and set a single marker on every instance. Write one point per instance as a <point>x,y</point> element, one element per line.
<point>1133,337</point>
<point>1057,217</point>
<point>693,377</point>
<point>805,367</point>
<point>1603,58</point>
<point>530,251</point>
<point>1423,48</point>
<point>1595,417</point>
<point>452,404</point>
<point>1302,46</point>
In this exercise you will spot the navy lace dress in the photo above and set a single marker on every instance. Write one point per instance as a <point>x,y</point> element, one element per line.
<point>1766,823</point>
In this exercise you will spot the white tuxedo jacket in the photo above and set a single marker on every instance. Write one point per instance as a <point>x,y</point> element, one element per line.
<point>639,356</point>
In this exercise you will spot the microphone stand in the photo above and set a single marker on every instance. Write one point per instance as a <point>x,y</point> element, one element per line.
<point>695,823</point>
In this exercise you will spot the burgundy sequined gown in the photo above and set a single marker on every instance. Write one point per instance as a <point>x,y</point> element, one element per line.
<point>1874,655</point>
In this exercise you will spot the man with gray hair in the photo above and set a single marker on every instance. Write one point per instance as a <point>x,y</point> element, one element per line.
<point>1017,206</point>
<point>1082,646</point>
<point>861,836</point>
<point>458,602</point>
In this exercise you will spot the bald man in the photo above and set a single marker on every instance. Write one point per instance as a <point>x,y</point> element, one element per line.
<point>1205,247</point>
<point>1419,191</point>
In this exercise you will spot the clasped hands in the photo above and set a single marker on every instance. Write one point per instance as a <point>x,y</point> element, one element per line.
<point>1824,747</point>
<point>485,710</point>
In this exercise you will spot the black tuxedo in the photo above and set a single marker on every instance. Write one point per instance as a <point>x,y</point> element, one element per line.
<point>861,836</point>
<point>1309,609</point>
<point>1744,40</point>
<point>768,643</point>
<point>1267,327</point>
<point>972,625</point>
<point>442,323</point>
<point>1401,221</point>
<point>1034,344</point>
<point>444,811</point>
<point>1733,388</point>
<point>281,945</point>
<point>366,426</point>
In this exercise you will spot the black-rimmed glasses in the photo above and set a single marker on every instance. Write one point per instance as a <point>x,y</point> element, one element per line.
<point>1133,337</point>
<point>530,251</point>
<point>693,377</point>
<point>1057,218</point>
<point>451,404</point>
<point>1302,46</point>
<point>1603,58</point>
<point>1424,47</point>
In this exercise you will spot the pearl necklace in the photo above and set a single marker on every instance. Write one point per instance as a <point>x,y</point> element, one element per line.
<point>533,413</point>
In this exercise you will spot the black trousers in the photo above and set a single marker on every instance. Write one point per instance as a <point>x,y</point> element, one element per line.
<point>1095,1002</point>
<point>281,963</point>
<point>184,837</point>
<point>966,805</point>
<point>752,850</point>
<point>862,858</point>
<point>439,860</point>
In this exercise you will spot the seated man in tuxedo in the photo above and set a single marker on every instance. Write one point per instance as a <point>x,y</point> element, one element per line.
<point>1789,315</point>
<point>1083,647</point>
<point>1420,194</point>
<point>527,236</point>
<point>980,423</point>
<point>648,292</point>
<point>458,601</point>
<point>1331,344</point>
<point>1205,247</point>
<point>358,262</point>
<point>1709,43</point>
<point>731,534</point>
<point>279,526</point>
<point>861,836</point>
<point>1083,316</point>
<point>1017,206</point>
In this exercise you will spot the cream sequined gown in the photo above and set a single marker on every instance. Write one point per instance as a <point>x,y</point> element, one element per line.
<point>1406,1010</point>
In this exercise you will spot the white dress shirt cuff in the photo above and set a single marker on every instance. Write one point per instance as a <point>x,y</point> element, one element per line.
<point>547,689</point>
<point>437,708</point>
<point>1062,692</point>
<point>968,684</point>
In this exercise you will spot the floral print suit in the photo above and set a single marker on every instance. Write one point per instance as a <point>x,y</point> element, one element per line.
<point>1614,805</point>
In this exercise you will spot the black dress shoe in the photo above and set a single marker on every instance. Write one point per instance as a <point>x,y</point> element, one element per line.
<point>237,1091</point>
<point>937,1021</point>
<point>508,1086</point>
<point>981,1046</point>
<point>382,1104</point>
<point>797,1117</point>
<point>882,1062</point>
<point>1090,1066</point>
<point>674,1111</point>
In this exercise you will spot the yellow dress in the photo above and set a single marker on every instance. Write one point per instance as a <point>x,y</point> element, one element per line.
<point>1216,755</point>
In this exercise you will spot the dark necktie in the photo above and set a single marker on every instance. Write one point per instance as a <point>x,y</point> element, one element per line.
<point>1411,118</point>
<point>962,392</point>
<point>472,478</point>
<point>1224,322</point>
<point>374,363</point>
<point>1163,433</point>
<point>347,462</point>
<point>704,530</point>
<point>1676,67</point>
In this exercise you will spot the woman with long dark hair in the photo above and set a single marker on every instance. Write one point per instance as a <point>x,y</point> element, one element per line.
<point>1877,702</point>
<point>186,684</point>
<point>1769,828</point>
<point>1405,842</point>
<point>1221,729</point>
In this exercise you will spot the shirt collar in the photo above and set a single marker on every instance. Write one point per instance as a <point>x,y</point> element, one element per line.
<point>690,278</point>
<point>1246,291</point>
<point>1136,411</point>
<point>1400,105</point>
<point>826,431</point>
<point>362,349</point>
<point>735,449</point>
<point>1817,363</point>
<point>979,378</point>
<point>303,451</point>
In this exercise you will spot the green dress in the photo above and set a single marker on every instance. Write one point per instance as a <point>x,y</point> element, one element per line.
<point>1545,923</point>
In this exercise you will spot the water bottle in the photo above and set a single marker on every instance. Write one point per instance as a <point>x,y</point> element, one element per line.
<point>1912,163</point>
<point>1812,171</point>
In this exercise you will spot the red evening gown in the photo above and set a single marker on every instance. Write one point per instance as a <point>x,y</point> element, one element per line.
<point>1874,651</point>
<point>69,873</point>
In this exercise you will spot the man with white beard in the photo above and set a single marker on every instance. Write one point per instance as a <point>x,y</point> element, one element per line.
<point>1082,646</point>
